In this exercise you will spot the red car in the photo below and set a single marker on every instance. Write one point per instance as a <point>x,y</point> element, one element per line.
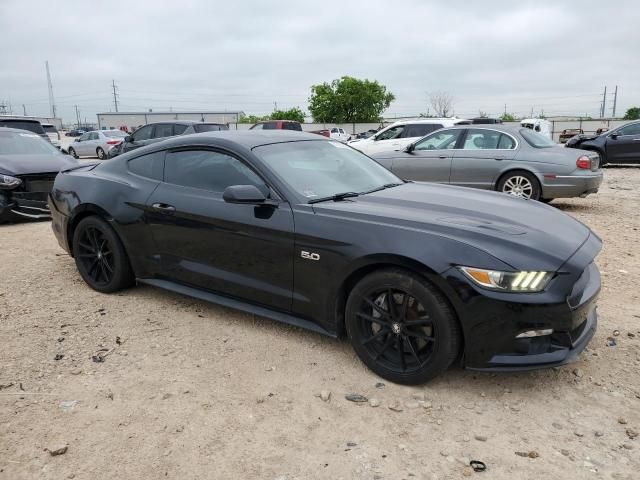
<point>277,125</point>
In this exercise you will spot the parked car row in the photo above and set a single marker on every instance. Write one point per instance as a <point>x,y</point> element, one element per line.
<point>619,146</point>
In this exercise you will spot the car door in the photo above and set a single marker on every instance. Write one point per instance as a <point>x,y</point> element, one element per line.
<point>430,158</point>
<point>385,141</point>
<point>623,145</point>
<point>80,145</point>
<point>244,251</point>
<point>139,138</point>
<point>481,157</point>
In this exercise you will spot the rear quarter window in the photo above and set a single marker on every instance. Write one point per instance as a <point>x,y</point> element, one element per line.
<point>148,166</point>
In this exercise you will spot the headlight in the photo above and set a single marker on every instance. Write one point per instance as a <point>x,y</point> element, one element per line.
<point>529,281</point>
<point>7,181</point>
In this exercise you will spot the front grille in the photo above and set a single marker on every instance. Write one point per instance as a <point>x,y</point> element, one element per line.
<point>38,183</point>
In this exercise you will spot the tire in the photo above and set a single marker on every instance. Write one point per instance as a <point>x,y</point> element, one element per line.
<point>100,153</point>
<point>520,184</point>
<point>73,153</point>
<point>100,256</point>
<point>414,343</point>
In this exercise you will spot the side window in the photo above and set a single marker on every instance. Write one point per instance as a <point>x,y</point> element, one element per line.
<point>143,133</point>
<point>420,129</point>
<point>179,129</point>
<point>150,166</point>
<point>93,136</point>
<point>270,126</point>
<point>444,140</point>
<point>208,170</point>
<point>162,130</point>
<point>295,126</point>
<point>481,139</point>
<point>393,132</point>
<point>341,131</point>
<point>633,129</point>
<point>84,137</point>
<point>334,130</point>
<point>506,142</point>
<point>257,126</point>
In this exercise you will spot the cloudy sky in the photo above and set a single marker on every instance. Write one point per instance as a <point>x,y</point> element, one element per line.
<point>546,56</point>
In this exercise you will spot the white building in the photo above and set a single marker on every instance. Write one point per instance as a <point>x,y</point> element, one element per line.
<point>133,120</point>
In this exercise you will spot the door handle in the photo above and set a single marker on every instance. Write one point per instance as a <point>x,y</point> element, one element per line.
<point>500,157</point>
<point>442,156</point>
<point>164,208</point>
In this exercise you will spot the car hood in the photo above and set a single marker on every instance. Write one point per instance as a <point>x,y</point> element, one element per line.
<point>30,164</point>
<point>525,234</point>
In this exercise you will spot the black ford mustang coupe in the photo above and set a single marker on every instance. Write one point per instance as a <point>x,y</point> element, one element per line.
<point>311,232</point>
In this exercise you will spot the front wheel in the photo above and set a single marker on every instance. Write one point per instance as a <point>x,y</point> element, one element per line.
<point>402,327</point>
<point>73,153</point>
<point>100,153</point>
<point>520,184</point>
<point>100,256</point>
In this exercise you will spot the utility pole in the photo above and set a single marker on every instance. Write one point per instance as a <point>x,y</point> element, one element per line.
<point>77,116</point>
<point>24,110</point>
<point>604,103</point>
<point>115,95</point>
<point>275,106</point>
<point>52,103</point>
<point>3,107</point>
<point>615,99</point>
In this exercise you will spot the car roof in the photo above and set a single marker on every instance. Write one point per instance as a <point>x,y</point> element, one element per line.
<point>14,119</point>
<point>245,138</point>
<point>512,129</point>
<point>182,122</point>
<point>18,130</point>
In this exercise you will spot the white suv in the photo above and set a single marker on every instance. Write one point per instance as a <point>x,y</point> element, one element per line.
<point>400,134</point>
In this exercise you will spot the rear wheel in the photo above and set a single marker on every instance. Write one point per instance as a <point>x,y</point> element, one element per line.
<point>100,256</point>
<point>520,184</point>
<point>402,327</point>
<point>100,153</point>
<point>73,153</point>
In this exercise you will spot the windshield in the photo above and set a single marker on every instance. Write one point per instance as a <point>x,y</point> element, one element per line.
<point>317,169</point>
<point>13,143</point>
<point>536,140</point>
<point>114,133</point>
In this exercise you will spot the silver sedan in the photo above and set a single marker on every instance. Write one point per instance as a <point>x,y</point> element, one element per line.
<point>96,143</point>
<point>508,159</point>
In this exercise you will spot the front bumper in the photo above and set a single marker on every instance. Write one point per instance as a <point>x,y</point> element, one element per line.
<point>569,186</point>
<point>493,321</point>
<point>24,205</point>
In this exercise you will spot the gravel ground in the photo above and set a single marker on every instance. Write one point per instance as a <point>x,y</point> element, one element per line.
<point>190,390</point>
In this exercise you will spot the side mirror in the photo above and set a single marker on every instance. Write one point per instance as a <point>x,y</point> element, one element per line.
<point>243,194</point>
<point>77,139</point>
<point>613,136</point>
<point>128,138</point>
<point>410,148</point>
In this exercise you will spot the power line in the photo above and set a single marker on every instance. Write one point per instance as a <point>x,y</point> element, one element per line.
<point>115,95</point>
<point>52,103</point>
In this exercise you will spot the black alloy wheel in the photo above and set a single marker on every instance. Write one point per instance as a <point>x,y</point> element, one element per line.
<point>402,327</point>
<point>100,256</point>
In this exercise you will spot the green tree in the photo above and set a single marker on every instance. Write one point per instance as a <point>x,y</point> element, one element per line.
<point>292,114</point>
<point>632,114</point>
<point>252,118</point>
<point>349,100</point>
<point>508,117</point>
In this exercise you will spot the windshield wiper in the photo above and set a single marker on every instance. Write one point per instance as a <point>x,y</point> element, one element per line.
<point>336,197</point>
<point>382,187</point>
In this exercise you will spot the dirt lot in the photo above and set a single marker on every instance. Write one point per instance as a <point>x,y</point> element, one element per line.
<point>190,390</point>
